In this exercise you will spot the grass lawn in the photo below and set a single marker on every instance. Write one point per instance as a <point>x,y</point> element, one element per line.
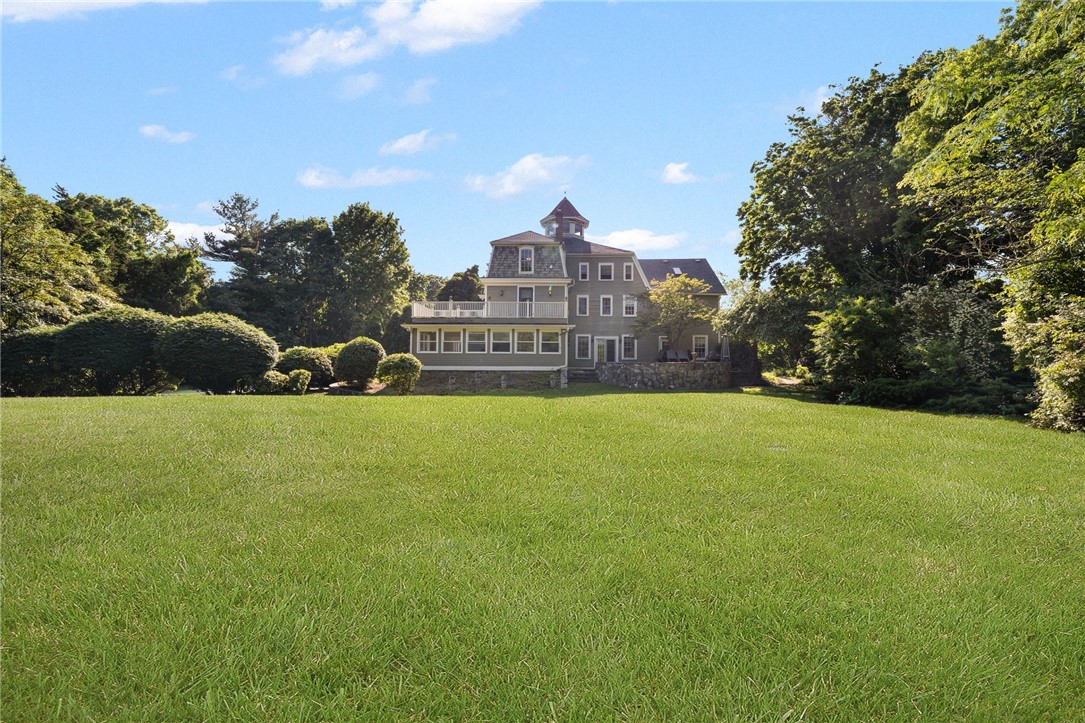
<point>580,556</point>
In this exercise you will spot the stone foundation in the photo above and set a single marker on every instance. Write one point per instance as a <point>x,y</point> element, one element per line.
<point>669,375</point>
<point>437,382</point>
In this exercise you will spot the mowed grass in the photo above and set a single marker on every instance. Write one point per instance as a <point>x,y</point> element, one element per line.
<point>577,556</point>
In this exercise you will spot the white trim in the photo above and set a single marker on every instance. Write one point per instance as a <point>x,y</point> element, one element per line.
<point>500,331</point>
<point>521,301</point>
<point>584,271</point>
<point>558,333</point>
<point>467,341</point>
<point>516,340</point>
<point>587,304</point>
<point>605,339</point>
<point>662,339</point>
<point>495,368</point>
<point>512,280</point>
<point>601,308</point>
<point>436,341</point>
<point>444,334</point>
<point>576,346</point>
<point>520,260</point>
<point>634,298</point>
<point>621,350</point>
<point>599,270</point>
<point>693,349</point>
<point>627,271</point>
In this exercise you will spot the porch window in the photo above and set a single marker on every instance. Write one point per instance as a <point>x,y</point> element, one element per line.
<point>525,342</point>
<point>476,342</point>
<point>527,260</point>
<point>500,342</point>
<point>629,347</point>
<point>606,272</point>
<point>427,342</point>
<point>629,305</point>
<point>700,346</point>
<point>451,341</point>
<point>583,346</point>
<point>606,305</point>
<point>550,342</point>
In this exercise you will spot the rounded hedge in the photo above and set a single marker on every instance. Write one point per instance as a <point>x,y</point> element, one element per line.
<point>271,382</point>
<point>26,358</point>
<point>298,381</point>
<point>357,361</point>
<point>314,361</point>
<point>217,352</point>
<point>400,372</point>
<point>114,349</point>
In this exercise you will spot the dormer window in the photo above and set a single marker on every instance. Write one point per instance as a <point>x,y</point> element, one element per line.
<point>527,260</point>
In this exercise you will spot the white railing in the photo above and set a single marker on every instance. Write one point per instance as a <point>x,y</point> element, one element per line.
<point>488,309</point>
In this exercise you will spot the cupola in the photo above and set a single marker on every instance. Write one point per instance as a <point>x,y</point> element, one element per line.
<point>567,218</point>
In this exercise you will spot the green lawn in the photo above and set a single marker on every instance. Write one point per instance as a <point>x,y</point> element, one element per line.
<point>576,556</point>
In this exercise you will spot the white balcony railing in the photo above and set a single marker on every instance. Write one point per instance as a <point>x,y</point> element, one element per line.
<point>488,310</point>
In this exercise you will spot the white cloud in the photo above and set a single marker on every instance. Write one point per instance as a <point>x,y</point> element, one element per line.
<point>232,73</point>
<point>419,92</point>
<point>163,90</point>
<point>355,86</point>
<point>22,11</point>
<point>424,140</point>
<point>321,177</point>
<point>182,231</point>
<point>240,76</point>
<point>530,171</point>
<point>161,133</point>
<point>432,26</point>
<point>639,239</point>
<point>336,4</point>
<point>732,238</point>
<point>677,173</point>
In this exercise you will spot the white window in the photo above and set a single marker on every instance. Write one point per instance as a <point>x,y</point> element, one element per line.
<point>606,272</point>
<point>664,345</point>
<point>700,346</point>
<point>525,342</point>
<point>629,347</point>
<point>628,272</point>
<point>606,305</point>
<point>527,260</point>
<point>629,305</point>
<point>583,346</point>
<point>427,342</point>
<point>549,342</point>
<point>476,342</point>
<point>500,342</point>
<point>582,305</point>
<point>451,341</point>
<point>583,270</point>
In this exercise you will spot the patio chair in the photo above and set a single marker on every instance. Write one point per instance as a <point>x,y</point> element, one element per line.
<point>672,356</point>
<point>683,356</point>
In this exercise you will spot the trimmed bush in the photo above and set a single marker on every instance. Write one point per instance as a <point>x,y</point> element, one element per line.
<point>27,362</point>
<point>357,361</point>
<point>115,350</point>
<point>298,381</point>
<point>272,382</point>
<point>315,361</point>
<point>217,352</point>
<point>400,372</point>
<point>332,350</point>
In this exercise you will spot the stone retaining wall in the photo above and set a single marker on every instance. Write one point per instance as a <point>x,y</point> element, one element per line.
<point>668,375</point>
<point>436,382</point>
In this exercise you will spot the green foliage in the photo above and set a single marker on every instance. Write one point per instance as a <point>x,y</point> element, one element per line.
<point>115,350</point>
<point>29,370</point>
<point>332,350</point>
<point>357,362</point>
<point>778,325</point>
<point>400,372</point>
<point>298,381</point>
<point>45,278</point>
<point>1054,347</point>
<point>463,286</point>
<point>857,342</point>
<point>170,281</point>
<point>271,382</point>
<point>671,306</point>
<point>315,361</point>
<point>217,352</point>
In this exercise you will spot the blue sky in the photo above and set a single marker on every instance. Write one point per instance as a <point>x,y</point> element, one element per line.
<point>466,120</point>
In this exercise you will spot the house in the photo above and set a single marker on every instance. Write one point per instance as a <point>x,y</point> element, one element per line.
<point>556,301</point>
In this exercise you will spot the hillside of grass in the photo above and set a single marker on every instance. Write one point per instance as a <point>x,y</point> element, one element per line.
<point>587,555</point>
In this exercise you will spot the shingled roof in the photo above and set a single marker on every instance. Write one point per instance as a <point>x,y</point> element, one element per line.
<point>524,238</point>
<point>567,211</point>
<point>693,268</point>
<point>574,245</point>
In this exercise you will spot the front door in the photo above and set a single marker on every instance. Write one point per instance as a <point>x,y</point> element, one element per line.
<point>606,349</point>
<point>525,295</point>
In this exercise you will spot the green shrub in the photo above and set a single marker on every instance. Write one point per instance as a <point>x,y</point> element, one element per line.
<point>357,361</point>
<point>115,350</point>
<point>272,382</point>
<point>299,381</point>
<point>26,359</point>
<point>217,352</point>
<point>400,372</point>
<point>332,350</point>
<point>315,361</point>
<point>855,343</point>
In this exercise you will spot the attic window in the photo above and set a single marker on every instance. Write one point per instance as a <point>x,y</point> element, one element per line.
<point>677,271</point>
<point>527,260</point>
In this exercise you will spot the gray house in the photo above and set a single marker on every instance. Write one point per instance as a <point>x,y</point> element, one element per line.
<point>555,300</point>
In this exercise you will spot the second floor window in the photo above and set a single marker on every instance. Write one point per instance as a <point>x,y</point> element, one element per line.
<point>629,305</point>
<point>606,272</point>
<point>628,272</point>
<point>527,261</point>
<point>606,305</point>
<point>582,306</point>
<point>583,271</point>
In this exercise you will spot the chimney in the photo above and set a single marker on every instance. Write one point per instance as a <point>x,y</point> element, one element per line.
<point>559,234</point>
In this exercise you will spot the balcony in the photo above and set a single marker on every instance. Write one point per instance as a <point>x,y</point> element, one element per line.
<point>488,310</point>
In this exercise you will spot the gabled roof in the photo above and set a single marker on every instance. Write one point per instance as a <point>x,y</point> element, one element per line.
<point>524,238</point>
<point>574,245</point>
<point>567,210</point>
<point>693,268</point>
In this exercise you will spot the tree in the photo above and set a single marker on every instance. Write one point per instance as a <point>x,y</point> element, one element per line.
<point>462,286</point>
<point>243,232</point>
<point>672,306</point>
<point>424,287</point>
<point>170,281</point>
<point>776,325</point>
<point>45,278</point>
<point>857,342</point>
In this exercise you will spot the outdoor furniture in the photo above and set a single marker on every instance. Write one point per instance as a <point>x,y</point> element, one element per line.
<point>672,356</point>
<point>683,356</point>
